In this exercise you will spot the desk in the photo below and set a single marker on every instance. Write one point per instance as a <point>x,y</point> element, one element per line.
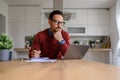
<point>59,70</point>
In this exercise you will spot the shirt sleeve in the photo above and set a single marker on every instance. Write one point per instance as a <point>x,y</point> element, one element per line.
<point>35,44</point>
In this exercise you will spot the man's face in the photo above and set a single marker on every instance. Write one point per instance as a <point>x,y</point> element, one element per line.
<point>56,23</point>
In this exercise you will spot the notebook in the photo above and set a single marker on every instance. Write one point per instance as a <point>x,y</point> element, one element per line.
<point>76,51</point>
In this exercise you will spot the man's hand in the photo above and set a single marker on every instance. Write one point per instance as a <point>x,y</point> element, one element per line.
<point>58,35</point>
<point>35,53</point>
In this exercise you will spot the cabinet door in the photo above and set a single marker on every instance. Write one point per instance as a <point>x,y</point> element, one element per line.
<point>79,17</point>
<point>32,20</point>
<point>78,20</point>
<point>16,13</point>
<point>98,30</point>
<point>98,16</point>
<point>98,22</point>
<point>32,14</point>
<point>16,31</point>
<point>31,28</point>
<point>74,17</point>
<point>23,21</point>
<point>44,18</point>
<point>98,56</point>
<point>93,30</point>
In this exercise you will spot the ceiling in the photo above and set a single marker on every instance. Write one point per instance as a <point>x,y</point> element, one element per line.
<point>66,3</point>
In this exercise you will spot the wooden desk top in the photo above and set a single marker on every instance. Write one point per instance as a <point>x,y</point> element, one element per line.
<point>59,70</point>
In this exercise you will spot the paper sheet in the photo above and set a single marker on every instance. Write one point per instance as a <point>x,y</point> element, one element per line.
<point>41,60</point>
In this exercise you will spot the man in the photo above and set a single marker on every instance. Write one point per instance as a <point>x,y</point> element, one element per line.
<point>52,42</point>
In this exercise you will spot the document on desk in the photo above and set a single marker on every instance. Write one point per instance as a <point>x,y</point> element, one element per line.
<point>41,60</point>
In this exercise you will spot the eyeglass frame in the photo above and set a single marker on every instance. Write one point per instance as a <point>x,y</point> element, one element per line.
<point>58,22</point>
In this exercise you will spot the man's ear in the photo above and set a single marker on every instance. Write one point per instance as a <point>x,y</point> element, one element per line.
<point>49,21</point>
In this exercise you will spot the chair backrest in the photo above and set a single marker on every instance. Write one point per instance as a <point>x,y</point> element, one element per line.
<point>76,51</point>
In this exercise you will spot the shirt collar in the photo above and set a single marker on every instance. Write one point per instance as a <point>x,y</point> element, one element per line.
<point>50,33</point>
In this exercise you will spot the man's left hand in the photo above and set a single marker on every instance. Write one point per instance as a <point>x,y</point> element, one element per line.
<point>58,35</point>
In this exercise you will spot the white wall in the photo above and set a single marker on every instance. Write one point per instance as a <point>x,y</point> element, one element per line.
<point>2,23</point>
<point>4,16</point>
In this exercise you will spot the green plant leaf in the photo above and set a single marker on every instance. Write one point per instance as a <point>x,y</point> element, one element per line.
<point>5,41</point>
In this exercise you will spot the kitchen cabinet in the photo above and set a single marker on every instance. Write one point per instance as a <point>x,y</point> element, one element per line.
<point>98,30</point>
<point>98,22</point>
<point>24,14</point>
<point>32,20</point>
<point>16,14</point>
<point>103,55</point>
<point>23,21</point>
<point>79,17</point>
<point>98,16</point>
<point>32,14</point>
<point>16,31</point>
<point>44,18</point>
<point>95,21</point>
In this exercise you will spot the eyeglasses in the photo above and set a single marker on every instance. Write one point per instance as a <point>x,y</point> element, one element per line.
<point>58,22</point>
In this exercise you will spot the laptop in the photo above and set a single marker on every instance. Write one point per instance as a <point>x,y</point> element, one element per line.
<point>76,51</point>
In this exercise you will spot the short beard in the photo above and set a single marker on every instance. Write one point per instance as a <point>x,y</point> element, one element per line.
<point>56,30</point>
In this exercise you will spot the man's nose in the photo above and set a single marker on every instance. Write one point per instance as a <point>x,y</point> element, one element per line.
<point>59,24</point>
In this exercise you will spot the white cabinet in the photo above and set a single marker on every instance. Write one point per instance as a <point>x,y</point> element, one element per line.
<point>24,14</point>
<point>98,30</point>
<point>16,31</point>
<point>95,21</point>
<point>98,55</point>
<point>31,28</point>
<point>44,18</point>
<point>23,21</point>
<point>78,20</point>
<point>98,16</point>
<point>32,14</point>
<point>16,14</point>
<point>98,22</point>
<point>79,17</point>
<point>32,20</point>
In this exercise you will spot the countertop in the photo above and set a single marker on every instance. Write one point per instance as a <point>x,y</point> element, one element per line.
<point>90,49</point>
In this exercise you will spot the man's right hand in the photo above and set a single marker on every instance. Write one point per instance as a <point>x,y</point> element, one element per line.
<point>35,54</point>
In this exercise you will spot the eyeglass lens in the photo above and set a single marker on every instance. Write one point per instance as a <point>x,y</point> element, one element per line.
<point>58,22</point>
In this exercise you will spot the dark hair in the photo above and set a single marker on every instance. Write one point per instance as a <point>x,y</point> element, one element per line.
<point>54,13</point>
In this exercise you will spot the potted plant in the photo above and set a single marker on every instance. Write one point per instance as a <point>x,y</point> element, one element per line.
<point>6,43</point>
<point>29,40</point>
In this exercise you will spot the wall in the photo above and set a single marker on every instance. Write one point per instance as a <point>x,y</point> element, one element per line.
<point>3,16</point>
<point>2,23</point>
<point>114,34</point>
